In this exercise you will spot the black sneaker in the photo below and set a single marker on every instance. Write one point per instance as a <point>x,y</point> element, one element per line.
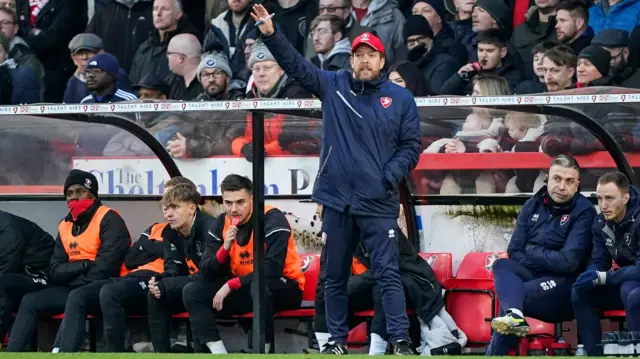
<point>334,349</point>
<point>403,348</point>
<point>510,324</point>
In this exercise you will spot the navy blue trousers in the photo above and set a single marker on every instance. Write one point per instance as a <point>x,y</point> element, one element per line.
<point>546,298</point>
<point>587,305</point>
<point>343,232</point>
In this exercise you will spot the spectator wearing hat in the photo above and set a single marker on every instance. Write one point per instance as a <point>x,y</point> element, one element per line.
<point>332,47</point>
<point>492,55</point>
<point>343,10</point>
<point>614,14</point>
<point>617,43</point>
<point>101,76</point>
<point>435,13</point>
<point>214,76</point>
<point>151,87</point>
<point>25,87</point>
<point>83,47</point>
<point>593,67</point>
<point>19,51</point>
<point>572,24</point>
<point>429,56</point>
<point>183,54</point>
<point>539,26</point>
<point>90,248</point>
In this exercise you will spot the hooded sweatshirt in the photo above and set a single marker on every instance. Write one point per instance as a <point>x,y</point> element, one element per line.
<point>337,59</point>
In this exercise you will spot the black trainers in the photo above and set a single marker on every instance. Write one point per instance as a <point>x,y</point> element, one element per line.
<point>510,324</point>
<point>334,349</point>
<point>403,348</point>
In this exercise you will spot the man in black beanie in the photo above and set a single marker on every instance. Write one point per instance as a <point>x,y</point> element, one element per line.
<point>90,248</point>
<point>428,55</point>
<point>435,13</point>
<point>593,67</point>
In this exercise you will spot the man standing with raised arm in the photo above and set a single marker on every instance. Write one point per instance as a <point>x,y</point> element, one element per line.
<point>371,140</point>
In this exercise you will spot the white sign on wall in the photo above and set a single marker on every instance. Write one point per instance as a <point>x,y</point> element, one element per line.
<point>146,176</point>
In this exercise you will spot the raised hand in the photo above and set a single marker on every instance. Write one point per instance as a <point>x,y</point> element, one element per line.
<point>260,14</point>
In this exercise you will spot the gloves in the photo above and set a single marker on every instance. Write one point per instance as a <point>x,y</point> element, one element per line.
<point>590,279</point>
<point>247,152</point>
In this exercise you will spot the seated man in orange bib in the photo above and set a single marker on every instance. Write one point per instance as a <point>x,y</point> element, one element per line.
<point>91,245</point>
<point>226,269</point>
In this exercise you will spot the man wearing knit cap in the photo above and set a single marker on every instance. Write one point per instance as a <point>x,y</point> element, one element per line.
<point>435,13</point>
<point>617,43</point>
<point>593,67</point>
<point>90,248</point>
<point>102,75</point>
<point>428,54</point>
<point>214,75</point>
<point>490,14</point>
<point>370,135</point>
<point>538,27</point>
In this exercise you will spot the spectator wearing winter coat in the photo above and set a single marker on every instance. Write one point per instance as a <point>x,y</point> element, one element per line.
<point>231,28</point>
<point>47,28</point>
<point>406,74</point>
<point>295,18</point>
<point>525,128</point>
<point>386,20</point>
<point>25,86</point>
<point>617,43</point>
<point>102,73</point>
<point>183,54</point>
<point>492,52</point>
<point>611,14</point>
<point>19,51</point>
<point>333,49</point>
<point>572,25</point>
<point>83,47</point>
<point>123,25</point>
<point>435,13</point>
<point>536,85</point>
<point>593,67</point>
<point>559,65</point>
<point>151,56</point>
<point>428,54</point>
<point>538,27</point>
<point>462,25</point>
<point>342,9</point>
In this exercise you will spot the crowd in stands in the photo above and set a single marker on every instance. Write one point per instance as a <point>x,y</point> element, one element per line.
<point>166,45</point>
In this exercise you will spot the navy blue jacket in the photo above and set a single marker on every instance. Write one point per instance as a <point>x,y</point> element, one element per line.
<point>619,242</point>
<point>552,239</point>
<point>367,148</point>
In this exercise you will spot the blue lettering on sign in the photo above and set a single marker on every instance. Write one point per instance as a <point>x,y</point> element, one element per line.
<point>123,181</point>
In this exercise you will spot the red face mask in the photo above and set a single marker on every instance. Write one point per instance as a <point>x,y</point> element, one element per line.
<point>76,208</point>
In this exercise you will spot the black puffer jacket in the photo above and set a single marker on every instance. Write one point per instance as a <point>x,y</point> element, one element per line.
<point>123,26</point>
<point>24,247</point>
<point>151,57</point>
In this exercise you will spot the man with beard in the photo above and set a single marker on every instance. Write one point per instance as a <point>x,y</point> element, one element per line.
<point>549,247</point>
<point>215,75</point>
<point>435,13</point>
<point>572,25</point>
<point>492,53</point>
<point>371,135</point>
<point>617,43</point>
<point>101,75</point>
<point>559,66</point>
<point>427,53</point>
<point>333,49</point>
<point>615,238</point>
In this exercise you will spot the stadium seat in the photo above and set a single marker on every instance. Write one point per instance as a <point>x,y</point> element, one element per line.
<point>442,265</point>
<point>470,296</point>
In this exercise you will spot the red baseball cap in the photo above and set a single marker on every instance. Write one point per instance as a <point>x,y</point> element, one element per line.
<point>368,39</point>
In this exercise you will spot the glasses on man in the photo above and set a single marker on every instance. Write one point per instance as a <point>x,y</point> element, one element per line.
<point>319,32</point>
<point>92,72</point>
<point>260,69</point>
<point>9,4</point>
<point>6,23</point>
<point>329,9</point>
<point>211,75</point>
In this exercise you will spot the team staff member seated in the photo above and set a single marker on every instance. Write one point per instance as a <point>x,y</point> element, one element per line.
<point>25,252</point>
<point>91,245</point>
<point>128,294</point>
<point>184,243</point>
<point>615,237</point>
<point>231,253</point>
<point>549,247</point>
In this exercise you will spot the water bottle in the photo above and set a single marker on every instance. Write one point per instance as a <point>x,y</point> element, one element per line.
<point>625,345</point>
<point>580,352</point>
<point>610,344</point>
